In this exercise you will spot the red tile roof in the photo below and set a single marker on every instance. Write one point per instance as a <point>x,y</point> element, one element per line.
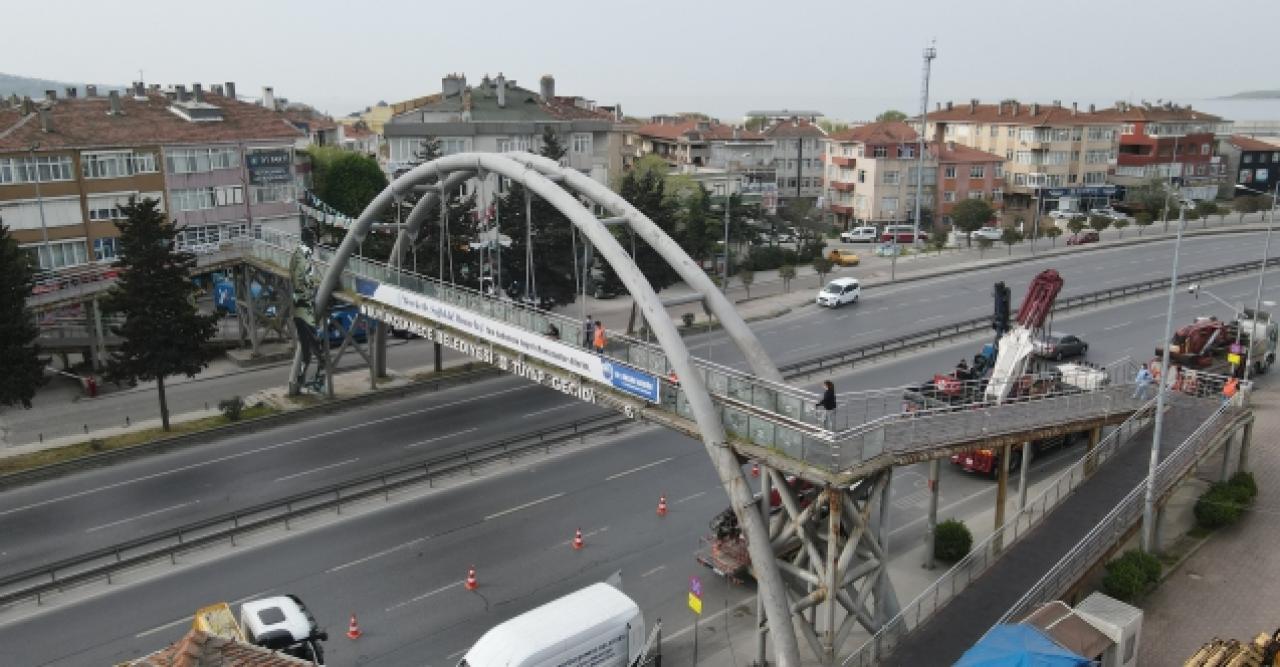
<point>200,649</point>
<point>565,108</point>
<point>689,128</point>
<point>950,151</point>
<point>799,127</point>
<point>1138,113</point>
<point>1003,113</point>
<point>313,119</point>
<point>85,123</point>
<point>1250,144</point>
<point>888,132</point>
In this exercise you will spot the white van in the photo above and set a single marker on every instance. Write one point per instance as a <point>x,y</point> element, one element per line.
<point>598,626</point>
<point>860,235</point>
<point>839,292</point>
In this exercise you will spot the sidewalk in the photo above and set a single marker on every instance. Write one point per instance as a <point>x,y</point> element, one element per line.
<point>1230,587</point>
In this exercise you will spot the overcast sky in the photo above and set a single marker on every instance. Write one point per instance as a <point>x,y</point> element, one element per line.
<point>849,59</point>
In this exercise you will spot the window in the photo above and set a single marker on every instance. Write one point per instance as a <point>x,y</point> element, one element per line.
<point>975,194</point>
<point>104,248</point>
<point>889,204</point>
<point>949,171</point>
<point>906,151</point>
<point>1201,170</point>
<point>58,254</point>
<point>1260,176</point>
<point>1204,149</point>
<point>1101,133</point>
<point>104,211</point>
<point>1246,176</point>
<point>1019,179</point>
<point>451,146</point>
<point>1008,155</point>
<point>1071,178</point>
<point>582,143</point>
<point>1262,157</point>
<point>1097,156</point>
<point>115,164</point>
<point>1012,131</point>
<point>862,175</point>
<point>995,130</point>
<point>1061,134</point>
<point>1248,157</point>
<point>194,199</point>
<point>890,178</point>
<point>1095,177</point>
<point>274,193</point>
<point>200,160</point>
<point>1275,157</point>
<point>999,170</point>
<point>228,195</point>
<point>949,196</point>
<point>880,151</point>
<point>997,195</point>
<point>47,168</point>
<point>1026,134</point>
<point>977,171</point>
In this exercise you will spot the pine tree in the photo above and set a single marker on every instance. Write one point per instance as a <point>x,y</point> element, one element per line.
<point>21,371</point>
<point>163,334</point>
<point>552,241</point>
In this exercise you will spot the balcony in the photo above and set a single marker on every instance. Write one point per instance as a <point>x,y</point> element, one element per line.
<point>841,209</point>
<point>842,186</point>
<point>841,161</point>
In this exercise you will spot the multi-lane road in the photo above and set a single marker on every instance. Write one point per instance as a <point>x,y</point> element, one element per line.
<point>401,567</point>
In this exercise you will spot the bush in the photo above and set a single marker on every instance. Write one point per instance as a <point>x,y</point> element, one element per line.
<point>1220,505</point>
<point>1244,487</point>
<point>231,408</point>
<point>1131,575</point>
<point>952,540</point>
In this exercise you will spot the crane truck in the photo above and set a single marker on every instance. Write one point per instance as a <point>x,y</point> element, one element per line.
<point>1211,345</point>
<point>280,623</point>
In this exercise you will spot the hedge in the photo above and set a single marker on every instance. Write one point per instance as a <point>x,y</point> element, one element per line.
<point>1131,575</point>
<point>952,541</point>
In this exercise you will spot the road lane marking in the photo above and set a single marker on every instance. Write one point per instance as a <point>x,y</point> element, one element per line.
<point>805,347</point>
<point>517,508</point>
<point>423,596</point>
<point>932,317</point>
<point>653,571</point>
<point>686,498</point>
<point>380,554</point>
<point>638,468</point>
<point>442,437</point>
<point>256,450</point>
<point>455,654</point>
<point>866,333</point>
<point>315,470</point>
<point>141,516</point>
<point>842,317</point>
<point>543,412</point>
<point>1118,326</point>
<point>162,628</point>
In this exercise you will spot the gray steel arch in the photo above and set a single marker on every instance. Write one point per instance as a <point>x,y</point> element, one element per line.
<point>714,438</point>
<point>425,205</point>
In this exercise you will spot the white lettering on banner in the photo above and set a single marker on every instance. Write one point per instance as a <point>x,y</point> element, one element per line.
<point>527,343</point>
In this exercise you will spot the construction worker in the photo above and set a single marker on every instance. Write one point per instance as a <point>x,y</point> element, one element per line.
<point>1229,389</point>
<point>598,339</point>
<point>1142,382</point>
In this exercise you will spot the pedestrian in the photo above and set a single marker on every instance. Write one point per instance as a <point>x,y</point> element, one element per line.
<point>598,339</point>
<point>553,332</point>
<point>1229,390</point>
<point>1143,382</point>
<point>828,403</point>
<point>588,331</point>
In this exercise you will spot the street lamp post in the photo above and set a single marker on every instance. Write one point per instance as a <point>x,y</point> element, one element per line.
<point>1262,272</point>
<point>1148,504</point>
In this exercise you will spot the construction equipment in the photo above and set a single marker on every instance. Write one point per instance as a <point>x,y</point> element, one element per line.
<point>1211,345</point>
<point>1263,651</point>
<point>280,623</point>
<point>724,550</point>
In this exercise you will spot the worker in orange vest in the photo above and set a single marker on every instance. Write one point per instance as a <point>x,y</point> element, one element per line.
<point>1229,389</point>
<point>598,340</point>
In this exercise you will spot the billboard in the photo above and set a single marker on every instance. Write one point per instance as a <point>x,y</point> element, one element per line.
<point>270,167</point>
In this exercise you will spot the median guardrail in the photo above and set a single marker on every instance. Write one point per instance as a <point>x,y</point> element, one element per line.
<point>103,564</point>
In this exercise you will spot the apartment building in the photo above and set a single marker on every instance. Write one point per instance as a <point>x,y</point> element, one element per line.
<point>798,148</point>
<point>1055,156</point>
<point>1252,162</point>
<point>871,174</point>
<point>497,115</point>
<point>219,167</point>
<point>1169,142</point>
<point>966,173</point>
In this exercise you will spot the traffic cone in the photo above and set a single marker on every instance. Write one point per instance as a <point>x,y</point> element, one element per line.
<point>577,539</point>
<point>755,469</point>
<point>353,628</point>
<point>472,584</point>
<point>662,505</point>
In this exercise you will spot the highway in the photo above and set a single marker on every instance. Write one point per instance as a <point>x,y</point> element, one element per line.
<point>408,592</point>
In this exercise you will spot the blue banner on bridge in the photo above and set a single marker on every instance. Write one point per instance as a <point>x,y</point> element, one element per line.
<point>630,380</point>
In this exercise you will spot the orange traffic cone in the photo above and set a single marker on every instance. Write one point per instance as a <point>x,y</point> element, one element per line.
<point>472,584</point>
<point>577,539</point>
<point>755,469</point>
<point>662,505</point>
<point>353,628</point>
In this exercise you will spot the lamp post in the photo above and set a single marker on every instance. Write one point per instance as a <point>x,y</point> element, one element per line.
<point>1262,272</point>
<point>1148,503</point>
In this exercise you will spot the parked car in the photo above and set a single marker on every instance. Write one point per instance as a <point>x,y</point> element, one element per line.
<point>992,233</point>
<point>843,257</point>
<point>839,292</point>
<point>1082,238</point>
<point>888,249</point>
<point>1060,346</point>
<point>1063,215</point>
<point>784,237</point>
<point>860,235</point>
<point>1109,213</point>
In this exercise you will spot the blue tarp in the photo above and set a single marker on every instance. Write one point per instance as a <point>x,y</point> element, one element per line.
<point>1018,646</point>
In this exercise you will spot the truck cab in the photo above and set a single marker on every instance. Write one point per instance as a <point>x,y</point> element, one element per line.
<point>283,624</point>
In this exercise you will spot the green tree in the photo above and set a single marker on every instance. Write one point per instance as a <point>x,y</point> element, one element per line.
<point>831,127</point>
<point>938,238</point>
<point>345,180</point>
<point>984,244</point>
<point>1099,222</point>
<point>21,371</point>
<point>1222,212</point>
<point>163,334</point>
<point>1143,220</point>
<point>890,115</point>
<point>1244,206</point>
<point>757,123</point>
<point>787,273</point>
<point>698,237</point>
<point>823,266</point>
<point>542,245</point>
<point>1204,209</point>
<point>952,541</point>
<point>1120,225</point>
<point>1010,236</point>
<point>746,277</point>
<point>1075,224</point>
<point>970,215</point>
<point>1053,232</point>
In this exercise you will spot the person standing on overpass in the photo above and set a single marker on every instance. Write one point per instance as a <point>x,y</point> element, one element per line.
<point>1143,382</point>
<point>828,404</point>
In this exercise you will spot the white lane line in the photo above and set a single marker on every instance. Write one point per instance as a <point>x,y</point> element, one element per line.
<point>1118,326</point>
<point>543,412</point>
<point>455,654</point>
<point>315,470</point>
<point>638,468</point>
<point>805,347</point>
<point>686,498</point>
<point>423,596</point>
<point>161,628</point>
<point>442,437</point>
<point>142,516</point>
<point>932,317</point>
<point>653,571</point>
<point>866,333</point>
<point>842,317</point>
<point>256,450</point>
<point>380,554</point>
<point>517,508</point>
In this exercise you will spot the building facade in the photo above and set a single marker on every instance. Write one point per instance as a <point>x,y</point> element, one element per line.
<point>871,175</point>
<point>965,173</point>
<point>798,149</point>
<point>1252,162</point>
<point>219,167</point>
<point>1171,143</point>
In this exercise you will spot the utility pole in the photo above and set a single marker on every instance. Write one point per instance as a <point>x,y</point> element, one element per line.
<point>929,54</point>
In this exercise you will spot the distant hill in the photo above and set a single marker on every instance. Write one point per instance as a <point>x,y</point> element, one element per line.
<point>34,88</point>
<point>1254,95</point>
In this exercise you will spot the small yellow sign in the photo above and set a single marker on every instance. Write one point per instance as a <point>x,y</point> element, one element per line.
<point>1233,358</point>
<point>695,603</point>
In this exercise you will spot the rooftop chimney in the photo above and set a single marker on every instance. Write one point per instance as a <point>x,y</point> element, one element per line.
<point>114,96</point>
<point>1091,108</point>
<point>28,107</point>
<point>1035,108</point>
<point>1075,108</point>
<point>51,95</point>
<point>231,89</point>
<point>501,84</point>
<point>1017,107</point>
<point>46,123</point>
<point>181,91</point>
<point>948,105</point>
<point>197,91</point>
<point>547,85</point>
<point>973,106</point>
<point>217,89</point>
<point>71,92</point>
<point>139,90</point>
<point>269,97</point>
<point>452,85</point>
<point>938,107</point>
<point>90,90</point>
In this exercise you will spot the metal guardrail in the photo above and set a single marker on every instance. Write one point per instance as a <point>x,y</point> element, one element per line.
<point>1119,521</point>
<point>910,340</point>
<point>105,563</point>
<point>983,555</point>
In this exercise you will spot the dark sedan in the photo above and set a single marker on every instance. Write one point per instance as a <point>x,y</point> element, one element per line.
<point>1083,238</point>
<point>1061,346</point>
